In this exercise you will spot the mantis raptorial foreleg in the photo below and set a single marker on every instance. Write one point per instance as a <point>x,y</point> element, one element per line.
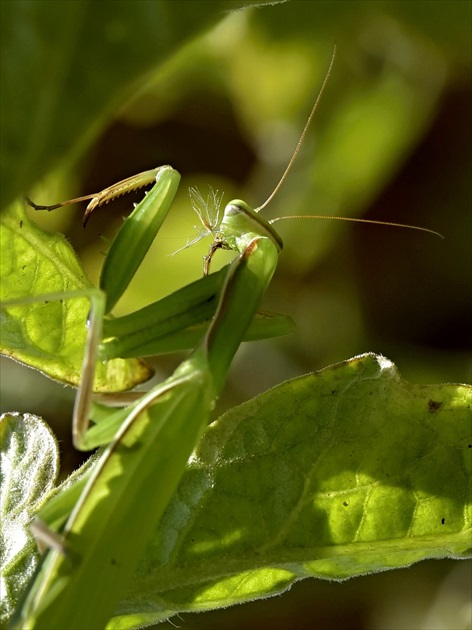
<point>176,322</point>
<point>107,194</point>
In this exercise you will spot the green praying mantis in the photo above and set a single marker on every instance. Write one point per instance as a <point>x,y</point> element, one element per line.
<point>105,521</point>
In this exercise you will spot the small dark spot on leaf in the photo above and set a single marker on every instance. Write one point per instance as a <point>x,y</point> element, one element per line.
<point>443,520</point>
<point>21,224</point>
<point>470,446</point>
<point>345,503</point>
<point>434,405</point>
<point>334,391</point>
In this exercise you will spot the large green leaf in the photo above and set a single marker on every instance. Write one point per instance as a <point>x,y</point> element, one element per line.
<point>50,334</point>
<point>346,471</point>
<point>66,66</point>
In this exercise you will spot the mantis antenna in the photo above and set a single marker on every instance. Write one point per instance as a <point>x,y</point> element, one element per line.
<point>356,220</point>
<point>303,134</point>
<point>292,160</point>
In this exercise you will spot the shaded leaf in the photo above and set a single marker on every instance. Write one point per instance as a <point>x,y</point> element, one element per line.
<point>67,65</point>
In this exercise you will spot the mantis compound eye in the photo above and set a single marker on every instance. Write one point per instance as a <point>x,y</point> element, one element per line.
<point>231,210</point>
<point>236,207</point>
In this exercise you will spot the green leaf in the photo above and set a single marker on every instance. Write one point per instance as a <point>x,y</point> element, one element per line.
<point>66,66</point>
<point>29,456</point>
<point>50,334</point>
<point>346,471</point>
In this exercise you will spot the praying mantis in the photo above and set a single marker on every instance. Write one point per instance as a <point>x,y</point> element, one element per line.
<point>91,559</point>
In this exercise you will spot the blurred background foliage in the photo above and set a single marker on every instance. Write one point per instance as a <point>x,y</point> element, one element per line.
<point>142,84</point>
